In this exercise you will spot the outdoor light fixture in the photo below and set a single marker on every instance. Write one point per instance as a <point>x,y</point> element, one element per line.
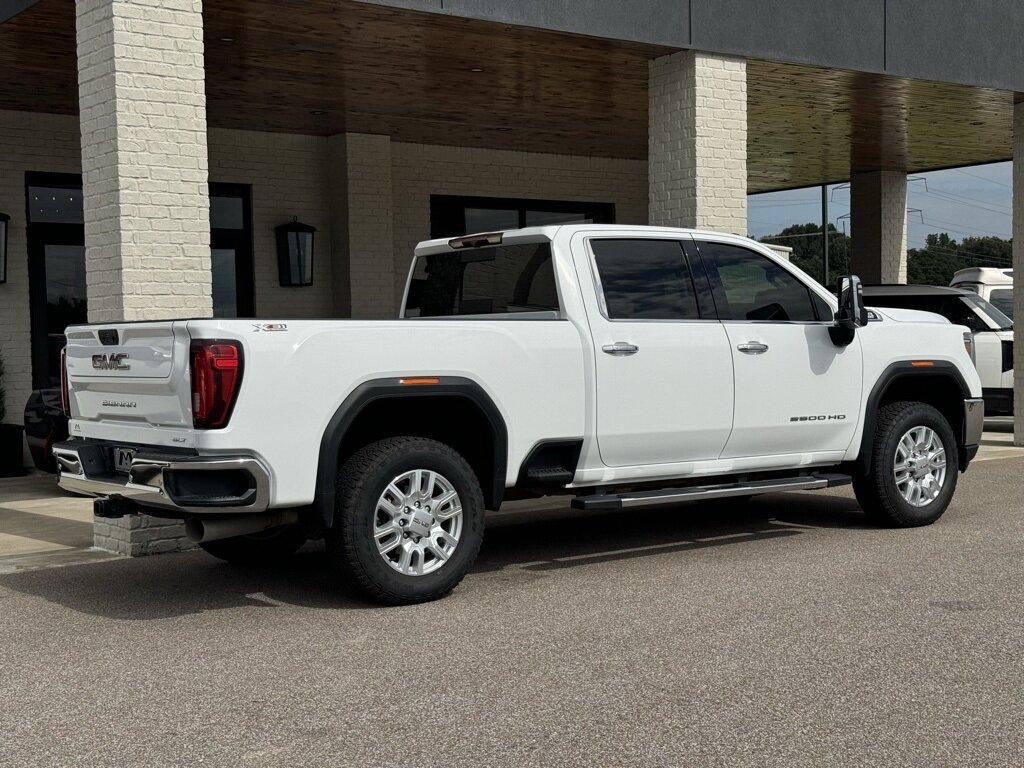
<point>295,254</point>
<point>4,221</point>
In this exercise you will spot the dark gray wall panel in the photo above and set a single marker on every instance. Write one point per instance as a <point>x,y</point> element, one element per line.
<point>660,22</point>
<point>848,34</point>
<point>979,42</point>
<point>11,8</point>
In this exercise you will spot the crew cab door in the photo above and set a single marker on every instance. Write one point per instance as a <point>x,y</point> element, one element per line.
<point>796,391</point>
<point>663,366</point>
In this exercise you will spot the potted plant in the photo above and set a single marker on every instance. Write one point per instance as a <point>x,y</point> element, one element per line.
<point>12,463</point>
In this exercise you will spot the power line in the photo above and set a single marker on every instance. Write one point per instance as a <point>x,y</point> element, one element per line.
<point>946,197</point>
<point>983,178</point>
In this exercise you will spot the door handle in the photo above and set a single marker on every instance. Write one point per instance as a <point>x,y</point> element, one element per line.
<point>753,348</point>
<point>620,348</point>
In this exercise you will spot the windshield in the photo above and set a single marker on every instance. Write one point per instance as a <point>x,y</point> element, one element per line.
<point>991,313</point>
<point>1002,298</point>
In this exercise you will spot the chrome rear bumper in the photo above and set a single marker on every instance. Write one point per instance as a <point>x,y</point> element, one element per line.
<point>172,483</point>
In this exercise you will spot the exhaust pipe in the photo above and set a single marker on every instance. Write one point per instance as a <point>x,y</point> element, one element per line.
<point>202,529</point>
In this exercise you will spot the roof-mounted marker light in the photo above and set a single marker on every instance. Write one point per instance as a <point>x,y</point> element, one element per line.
<point>476,241</point>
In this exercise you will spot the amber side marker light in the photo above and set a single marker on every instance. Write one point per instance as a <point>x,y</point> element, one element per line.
<point>922,364</point>
<point>419,382</point>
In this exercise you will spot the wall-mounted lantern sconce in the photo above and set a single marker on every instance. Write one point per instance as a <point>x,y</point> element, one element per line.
<point>295,253</point>
<point>5,220</point>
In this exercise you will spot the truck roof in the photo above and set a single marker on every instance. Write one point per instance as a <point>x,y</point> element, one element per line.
<point>913,290</point>
<point>549,232</point>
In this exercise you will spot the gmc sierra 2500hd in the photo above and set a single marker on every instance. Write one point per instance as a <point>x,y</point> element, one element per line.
<point>628,366</point>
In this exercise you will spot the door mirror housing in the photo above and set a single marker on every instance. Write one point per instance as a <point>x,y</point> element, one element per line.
<point>852,314</point>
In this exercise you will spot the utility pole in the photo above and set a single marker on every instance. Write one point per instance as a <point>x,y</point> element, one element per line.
<point>824,231</point>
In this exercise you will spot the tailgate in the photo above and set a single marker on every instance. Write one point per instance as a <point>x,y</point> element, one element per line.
<point>131,373</point>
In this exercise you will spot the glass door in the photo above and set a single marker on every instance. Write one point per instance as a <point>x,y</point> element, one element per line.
<point>56,262</point>
<point>231,250</point>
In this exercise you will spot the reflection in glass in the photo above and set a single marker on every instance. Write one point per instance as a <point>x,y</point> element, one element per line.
<point>490,220</point>
<point>645,279</point>
<point>65,299</point>
<point>225,290</point>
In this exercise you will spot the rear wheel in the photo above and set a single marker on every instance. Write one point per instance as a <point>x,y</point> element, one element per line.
<point>255,548</point>
<point>913,466</point>
<point>408,520</point>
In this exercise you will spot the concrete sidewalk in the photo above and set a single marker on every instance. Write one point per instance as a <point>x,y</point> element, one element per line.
<point>43,527</point>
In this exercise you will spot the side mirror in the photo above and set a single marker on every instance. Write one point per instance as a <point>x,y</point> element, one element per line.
<point>852,314</point>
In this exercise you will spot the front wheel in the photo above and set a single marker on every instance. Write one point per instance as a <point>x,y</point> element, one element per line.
<point>408,520</point>
<point>913,466</point>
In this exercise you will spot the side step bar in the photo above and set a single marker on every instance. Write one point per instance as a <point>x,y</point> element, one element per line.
<point>606,501</point>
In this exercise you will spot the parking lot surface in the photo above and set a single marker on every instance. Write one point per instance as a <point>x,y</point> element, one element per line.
<point>786,632</point>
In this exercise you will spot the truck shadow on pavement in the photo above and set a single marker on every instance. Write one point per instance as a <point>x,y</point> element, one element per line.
<point>560,539</point>
<point>168,586</point>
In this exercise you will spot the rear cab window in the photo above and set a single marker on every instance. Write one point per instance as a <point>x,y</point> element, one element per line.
<point>503,280</point>
<point>645,279</point>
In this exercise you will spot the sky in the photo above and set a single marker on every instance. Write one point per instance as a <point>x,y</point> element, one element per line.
<point>963,202</point>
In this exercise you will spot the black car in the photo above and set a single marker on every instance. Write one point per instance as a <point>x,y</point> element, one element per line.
<point>45,424</point>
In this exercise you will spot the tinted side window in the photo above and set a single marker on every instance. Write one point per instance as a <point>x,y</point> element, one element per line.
<point>749,286</point>
<point>645,280</point>
<point>1003,300</point>
<point>484,281</point>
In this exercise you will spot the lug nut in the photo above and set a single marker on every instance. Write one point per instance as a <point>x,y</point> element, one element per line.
<point>417,505</point>
<point>403,522</point>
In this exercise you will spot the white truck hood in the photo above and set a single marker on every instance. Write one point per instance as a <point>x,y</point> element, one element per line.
<point>909,315</point>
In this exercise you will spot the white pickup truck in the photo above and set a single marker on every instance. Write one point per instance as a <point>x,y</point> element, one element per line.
<point>626,366</point>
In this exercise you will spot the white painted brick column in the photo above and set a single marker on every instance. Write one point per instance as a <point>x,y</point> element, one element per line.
<point>697,142</point>
<point>878,219</point>
<point>142,108</point>
<point>1018,268</point>
<point>371,240</point>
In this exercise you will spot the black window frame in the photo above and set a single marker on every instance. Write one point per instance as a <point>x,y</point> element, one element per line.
<point>448,212</point>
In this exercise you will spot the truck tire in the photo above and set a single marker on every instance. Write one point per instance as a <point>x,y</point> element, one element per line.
<point>408,521</point>
<point>258,548</point>
<point>913,467</point>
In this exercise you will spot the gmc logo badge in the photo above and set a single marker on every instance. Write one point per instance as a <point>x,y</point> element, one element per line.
<point>114,362</point>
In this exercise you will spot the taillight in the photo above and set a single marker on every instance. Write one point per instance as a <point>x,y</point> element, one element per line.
<point>65,393</point>
<point>216,375</point>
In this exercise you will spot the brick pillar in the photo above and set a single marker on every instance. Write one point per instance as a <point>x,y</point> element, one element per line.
<point>1018,268</point>
<point>697,141</point>
<point>371,240</point>
<point>878,219</point>
<point>144,168</point>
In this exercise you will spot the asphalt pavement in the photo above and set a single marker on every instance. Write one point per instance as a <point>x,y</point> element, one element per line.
<point>787,632</point>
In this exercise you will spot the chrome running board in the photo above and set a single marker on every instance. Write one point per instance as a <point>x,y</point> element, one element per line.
<point>667,496</point>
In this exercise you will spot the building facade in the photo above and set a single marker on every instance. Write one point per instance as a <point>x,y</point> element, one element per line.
<point>149,148</point>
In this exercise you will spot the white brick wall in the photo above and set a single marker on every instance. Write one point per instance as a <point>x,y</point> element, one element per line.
<point>878,221</point>
<point>697,143</point>
<point>290,176</point>
<point>142,106</point>
<point>30,142</point>
<point>420,170</point>
<point>371,223</point>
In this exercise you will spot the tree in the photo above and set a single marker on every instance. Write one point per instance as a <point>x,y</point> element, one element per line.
<point>806,242</point>
<point>942,256</point>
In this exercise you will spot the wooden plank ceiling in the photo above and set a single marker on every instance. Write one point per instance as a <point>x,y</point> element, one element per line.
<point>328,66</point>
